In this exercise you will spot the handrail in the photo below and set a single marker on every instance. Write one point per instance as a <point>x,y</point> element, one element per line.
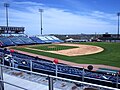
<point>81,82</point>
<point>13,85</point>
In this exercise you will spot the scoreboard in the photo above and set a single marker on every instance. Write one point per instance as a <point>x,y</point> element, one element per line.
<point>11,30</point>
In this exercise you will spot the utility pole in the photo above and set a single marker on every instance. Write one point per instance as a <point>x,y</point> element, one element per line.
<point>41,11</point>
<point>118,14</point>
<point>6,5</point>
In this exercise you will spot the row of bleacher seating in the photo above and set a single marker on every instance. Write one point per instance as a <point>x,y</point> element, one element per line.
<point>37,40</point>
<point>6,41</point>
<point>16,40</point>
<point>24,40</point>
<point>41,64</point>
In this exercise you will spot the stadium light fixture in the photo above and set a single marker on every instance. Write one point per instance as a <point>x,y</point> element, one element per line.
<point>56,62</point>
<point>118,14</point>
<point>41,11</point>
<point>6,5</point>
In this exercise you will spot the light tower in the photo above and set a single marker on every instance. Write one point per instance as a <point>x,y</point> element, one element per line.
<point>118,14</point>
<point>6,5</point>
<point>41,10</point>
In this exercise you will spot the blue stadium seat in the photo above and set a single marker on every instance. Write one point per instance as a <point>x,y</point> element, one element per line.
<point>40,64</point>
<point>27,40</point>
<point>6,41</point>
<point>57,39</point>
<point>44,39</point>
<point>16,40</point>
<point>2,44</point>
<point>37,40</point>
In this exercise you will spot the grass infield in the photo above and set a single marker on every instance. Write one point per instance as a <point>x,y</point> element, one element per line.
<point>52,47</point>
<point>110,56</point>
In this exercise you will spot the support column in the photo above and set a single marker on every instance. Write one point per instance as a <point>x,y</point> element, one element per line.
<point>1,78</point>
<point>50,83</point>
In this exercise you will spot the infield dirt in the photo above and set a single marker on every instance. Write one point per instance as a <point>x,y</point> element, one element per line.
<point>81,50</point>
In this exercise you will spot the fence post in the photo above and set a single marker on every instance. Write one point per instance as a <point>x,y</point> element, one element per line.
<point>31,65</point>
<point>83,71</point>
<point>1,78</point>
<point>117,80</point>
<point>50,82</point>
<point>56,67</point>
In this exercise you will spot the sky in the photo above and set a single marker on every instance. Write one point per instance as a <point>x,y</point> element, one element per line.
<point>62,16</point>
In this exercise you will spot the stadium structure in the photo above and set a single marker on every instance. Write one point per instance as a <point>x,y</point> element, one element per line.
<point>88,37</point>
<point>20,70</point>
<point>51,76</point>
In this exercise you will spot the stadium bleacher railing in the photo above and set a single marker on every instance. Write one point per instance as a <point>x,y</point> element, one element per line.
<point>50,80</point>
<point>25,63</point>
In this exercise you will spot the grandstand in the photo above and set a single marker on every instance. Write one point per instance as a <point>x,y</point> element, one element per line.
<point>12,36</point>
<point>26,40</point>
<point>34,64</point>
<point>34,81</point>
<point>16,41</point>
<point>6,41</point>
<point>22,70</point>
<point>54,39</point>
<point>43,66</point>
<point>37,40</point>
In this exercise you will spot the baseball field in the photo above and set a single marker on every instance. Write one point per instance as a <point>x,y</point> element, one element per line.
<point>82,53</point>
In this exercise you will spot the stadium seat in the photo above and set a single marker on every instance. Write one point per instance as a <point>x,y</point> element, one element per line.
<point>6,41</point>
<point>44,65</point>
<point>37,40</point>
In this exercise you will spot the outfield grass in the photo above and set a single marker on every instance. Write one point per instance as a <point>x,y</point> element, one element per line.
<point>110,55</point>
<point>52,47</point>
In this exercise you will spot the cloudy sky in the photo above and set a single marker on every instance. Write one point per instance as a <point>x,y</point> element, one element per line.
<point>63,16</point>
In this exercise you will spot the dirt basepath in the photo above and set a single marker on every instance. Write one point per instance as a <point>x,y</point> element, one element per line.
<point>81,50</point>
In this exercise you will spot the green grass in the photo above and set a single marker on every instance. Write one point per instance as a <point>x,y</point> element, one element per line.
<point>110,55</point>
<point>52,47</point>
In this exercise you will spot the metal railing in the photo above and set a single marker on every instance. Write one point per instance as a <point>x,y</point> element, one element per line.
<point>12,64</point>
<point>50,80</point>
